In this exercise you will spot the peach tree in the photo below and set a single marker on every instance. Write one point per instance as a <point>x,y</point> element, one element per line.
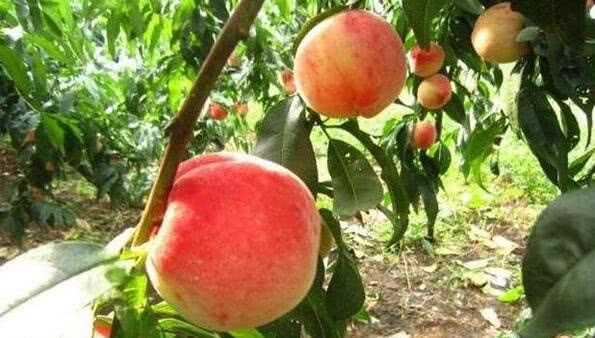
<point>348,64</point>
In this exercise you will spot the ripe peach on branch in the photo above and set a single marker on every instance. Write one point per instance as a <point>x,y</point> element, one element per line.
<point>217,112</point>
<point>494,34</point>
<point>426,62</point>
<point>434,92</point>
<point>239,242</point>
<point>350,64</point>
<point>423,135</point>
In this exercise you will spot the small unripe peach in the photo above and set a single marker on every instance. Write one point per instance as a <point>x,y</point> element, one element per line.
<point>426,62</point>
<point>424,135</point>
<point>434,92</point>
<point>288,81</point>
<point>217,112</point>
<point>350,64</point>
<point>238,245</point>
<point>494,34</point>
<point>241,108</point>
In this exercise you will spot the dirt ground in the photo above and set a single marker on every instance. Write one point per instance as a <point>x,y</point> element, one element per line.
<point>412,294</point>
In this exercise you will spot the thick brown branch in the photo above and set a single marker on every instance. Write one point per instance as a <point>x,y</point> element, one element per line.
<point>236,29</point>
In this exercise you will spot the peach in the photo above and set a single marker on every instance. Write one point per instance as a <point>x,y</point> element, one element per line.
<point>350,64</point>
<point>102,330</point>
<point>424,63</point>
<point>217,112</point>
<point>434,92</point>
<point>494,34</point>
<point>241,108</point>
<point>424,135</point>
<point>239,241</point>
<point>288,81</point>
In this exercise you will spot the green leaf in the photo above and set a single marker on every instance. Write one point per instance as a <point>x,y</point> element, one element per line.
<point>39,71</point>
<point>313,313</point>
<point>420,14</point>
<point>112,31</point>
<point>559,268</point>
<point>52,131</point>
<point>284,138</point>
<point>538,121</point>
<point>333,224</point>
<point>479,146</point>
<point>566,18</point>
<point>442,156</point>
<point>430,201</point>
<point>456,110</point>
<point>512,296</point>
<point>247,333</point>
<point>471,6</point>
<point>284,327</point>
<point>48,46</point>
<point>174,325</point>
<point>355,184</point>
<point>579,163</point>
<point>345,295</point>
<point>16,68</point>
<point>286,7</point>
<point>67,278</point>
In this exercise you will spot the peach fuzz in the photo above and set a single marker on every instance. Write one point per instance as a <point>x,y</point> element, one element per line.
<point>217,112</point>
<point>239,241</point>
<point>428,62</point>
<point>494,34</point>
<point>350,64</point>
<point>423,135</point>
<point>434,92</point>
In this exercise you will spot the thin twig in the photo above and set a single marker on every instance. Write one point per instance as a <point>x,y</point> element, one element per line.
<point>180,130</point>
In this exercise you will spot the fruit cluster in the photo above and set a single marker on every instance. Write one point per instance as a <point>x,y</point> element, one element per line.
<point>240,238</point>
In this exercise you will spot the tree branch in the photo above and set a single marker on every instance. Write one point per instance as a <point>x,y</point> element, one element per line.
<point>180,131</point>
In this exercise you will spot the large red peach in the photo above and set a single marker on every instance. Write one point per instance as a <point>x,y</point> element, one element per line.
<point>426,62</point>
<point>434,92</point>
<point>494,34</point>
<point>238,244</point>
<point>351,64</point>
<point>424,135</point>
<point>217,112</point>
